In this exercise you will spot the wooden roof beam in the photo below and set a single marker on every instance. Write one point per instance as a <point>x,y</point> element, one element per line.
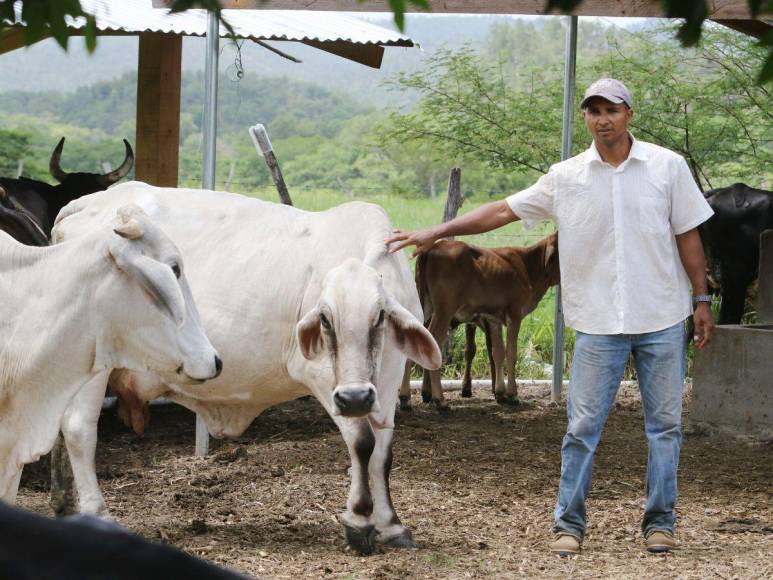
<point>718,9</point>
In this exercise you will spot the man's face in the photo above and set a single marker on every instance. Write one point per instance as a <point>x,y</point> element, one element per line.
<point>607,121</point>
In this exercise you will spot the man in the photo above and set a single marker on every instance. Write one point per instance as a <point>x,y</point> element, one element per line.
<point>627,212</point>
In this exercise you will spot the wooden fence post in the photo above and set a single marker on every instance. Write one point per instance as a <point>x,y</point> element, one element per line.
<point>263,146</point>
<point>455,197</point>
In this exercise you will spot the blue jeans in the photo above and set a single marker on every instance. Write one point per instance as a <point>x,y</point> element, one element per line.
<point>597,368</point>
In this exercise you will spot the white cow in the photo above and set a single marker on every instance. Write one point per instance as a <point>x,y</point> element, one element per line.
<point>69,314</point>
<point>295,302</point>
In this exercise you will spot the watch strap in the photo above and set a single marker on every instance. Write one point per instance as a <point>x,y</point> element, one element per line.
<point>701,298</point>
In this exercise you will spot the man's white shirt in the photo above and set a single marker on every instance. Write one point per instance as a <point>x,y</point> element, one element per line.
<point>620,266</point>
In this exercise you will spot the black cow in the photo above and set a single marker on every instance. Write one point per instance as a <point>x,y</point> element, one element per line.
<point>33,547</point>
<point>19,223</point>
<point>28,198</point>
<point>732,241</point>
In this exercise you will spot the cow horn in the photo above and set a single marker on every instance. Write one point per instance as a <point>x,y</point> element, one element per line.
<point>53,166</point>
<point>117,174</point>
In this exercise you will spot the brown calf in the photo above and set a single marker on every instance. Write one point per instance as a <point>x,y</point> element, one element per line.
<point>488,286</point>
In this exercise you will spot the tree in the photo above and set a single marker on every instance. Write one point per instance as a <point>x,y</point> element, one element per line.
<point>469,109</point>
<point>14,147</point>
<point>702,102</point>
<point>48,18</point>
<point>705,104</point>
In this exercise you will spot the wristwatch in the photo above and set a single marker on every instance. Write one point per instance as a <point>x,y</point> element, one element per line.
<point>701,298</point>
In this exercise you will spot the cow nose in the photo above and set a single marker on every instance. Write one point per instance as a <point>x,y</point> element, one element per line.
<point>355,402</point>
<point>218,366</point>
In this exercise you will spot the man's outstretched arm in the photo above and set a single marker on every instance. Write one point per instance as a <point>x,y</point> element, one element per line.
<point>483,219</point>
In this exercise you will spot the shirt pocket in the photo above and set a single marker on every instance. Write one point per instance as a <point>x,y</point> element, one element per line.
<point>654,214</point>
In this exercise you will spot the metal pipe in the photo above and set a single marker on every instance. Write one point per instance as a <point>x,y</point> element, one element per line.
<point>209,161</point>
<point>210,100</point>
<point>570,67</point>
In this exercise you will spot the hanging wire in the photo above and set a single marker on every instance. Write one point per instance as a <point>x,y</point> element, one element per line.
<point>235,70</point>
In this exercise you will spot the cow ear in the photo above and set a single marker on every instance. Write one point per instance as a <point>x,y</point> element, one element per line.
<point>412,339</point>
<point>309,334</point>
<point>155,278</point>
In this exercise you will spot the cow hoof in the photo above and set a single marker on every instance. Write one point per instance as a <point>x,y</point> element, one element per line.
<point>442,406</point>
<point>63,506</point>
<point>426,397</point>
<point>467,392</point>
<point>402,540</point>
<point>405,404</point>
<point>510,400</point>
<point>362,540</point>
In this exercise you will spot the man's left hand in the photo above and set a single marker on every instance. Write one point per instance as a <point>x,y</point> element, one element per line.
<point>704,325</point>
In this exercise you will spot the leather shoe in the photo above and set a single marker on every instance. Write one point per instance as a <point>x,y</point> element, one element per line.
<point>565,545</point>
<point>661,541</point>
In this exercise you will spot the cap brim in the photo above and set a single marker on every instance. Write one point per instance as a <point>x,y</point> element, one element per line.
<point>607,96</point>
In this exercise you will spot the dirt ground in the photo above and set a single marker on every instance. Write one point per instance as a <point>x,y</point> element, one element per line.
<point>476,486</point>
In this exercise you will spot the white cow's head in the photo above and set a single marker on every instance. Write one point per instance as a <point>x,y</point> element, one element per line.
<point>353,321</point>
<point>148,316</point>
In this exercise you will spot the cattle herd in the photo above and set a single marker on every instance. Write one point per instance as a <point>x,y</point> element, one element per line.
<point>128,286</point>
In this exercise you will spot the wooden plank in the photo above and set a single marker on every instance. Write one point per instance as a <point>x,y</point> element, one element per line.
<point>755,28</point>
<point>367,54</point>
<point>729,9</point>
<point>263,145</point>
<point>13,38</point>
<point>158,108</point>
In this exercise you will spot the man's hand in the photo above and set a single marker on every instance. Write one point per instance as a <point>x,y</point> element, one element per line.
<point>704,325</point>
<point>422,239</point>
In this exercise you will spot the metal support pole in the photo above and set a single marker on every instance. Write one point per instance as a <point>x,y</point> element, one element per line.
<point>570,66</point>
<point>208,169</point>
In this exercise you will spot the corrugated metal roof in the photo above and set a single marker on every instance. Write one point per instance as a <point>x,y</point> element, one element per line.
<point>134,16</point>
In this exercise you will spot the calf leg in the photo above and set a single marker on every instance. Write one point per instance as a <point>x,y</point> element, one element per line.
<point>469,354</point>
<point>405,388</point>
<point>62,499</point>
<point>426,386</point>
<point>512,362</point>
<point>491,364</point>
<point>498,352</point>
<point>438,327</point>
<point>79,427</point>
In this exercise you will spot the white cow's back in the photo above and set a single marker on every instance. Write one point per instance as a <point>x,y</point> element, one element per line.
<point>254,268</point>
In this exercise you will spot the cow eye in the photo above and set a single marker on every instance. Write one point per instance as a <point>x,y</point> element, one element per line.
<point>176,269</point>
<point>324,321</point>
<point>380,318</point>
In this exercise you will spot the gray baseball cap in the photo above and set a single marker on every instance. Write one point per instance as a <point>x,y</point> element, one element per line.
<point>610,89</point>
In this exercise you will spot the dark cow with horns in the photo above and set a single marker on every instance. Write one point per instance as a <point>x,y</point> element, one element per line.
<point>28,207</point>
<point>732,241</point>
